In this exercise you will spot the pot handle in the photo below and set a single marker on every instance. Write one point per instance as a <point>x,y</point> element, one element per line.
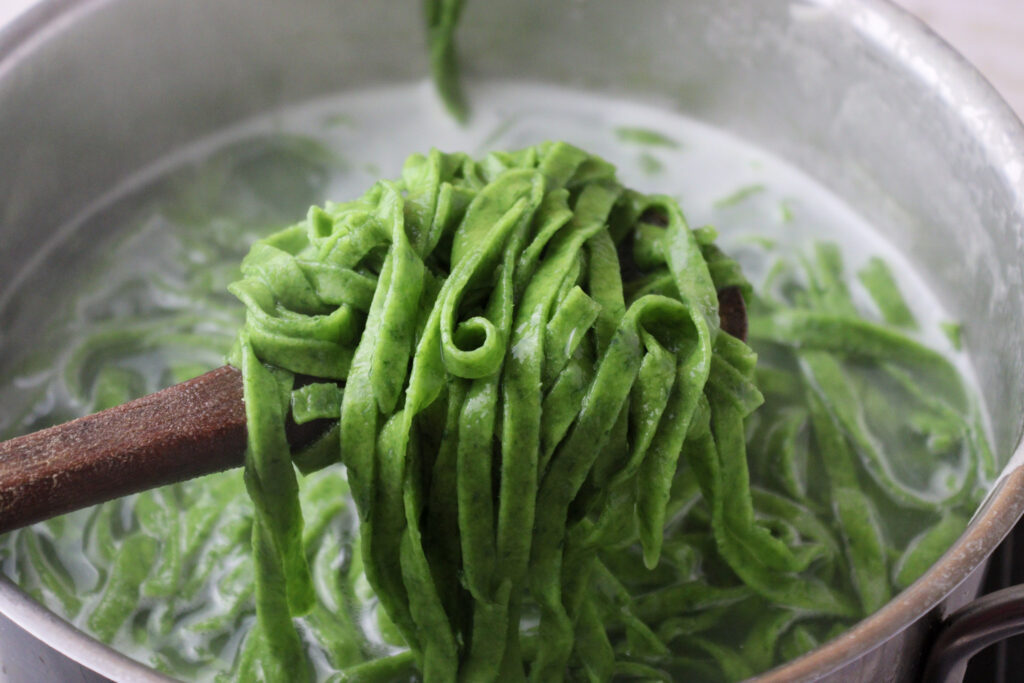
<point>972,628</point>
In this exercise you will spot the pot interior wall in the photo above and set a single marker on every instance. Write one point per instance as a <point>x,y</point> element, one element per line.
<point>830,87</point>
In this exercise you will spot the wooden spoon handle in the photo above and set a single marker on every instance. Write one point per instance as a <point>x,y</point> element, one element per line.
<point>188,430</point>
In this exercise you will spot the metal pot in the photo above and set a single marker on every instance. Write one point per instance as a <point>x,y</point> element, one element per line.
<point>855,92</point>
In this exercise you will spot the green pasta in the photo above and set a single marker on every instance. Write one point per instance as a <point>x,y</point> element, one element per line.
<point>543,458</point>
<point>442,20</point>
<point>562,334</point>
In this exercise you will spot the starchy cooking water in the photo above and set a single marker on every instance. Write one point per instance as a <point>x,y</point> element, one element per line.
<point>150,308</point>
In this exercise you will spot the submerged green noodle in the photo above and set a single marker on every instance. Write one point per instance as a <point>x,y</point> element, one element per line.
<point>557,457</point>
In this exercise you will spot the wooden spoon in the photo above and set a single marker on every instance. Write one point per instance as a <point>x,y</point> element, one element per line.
<point>186,431</point>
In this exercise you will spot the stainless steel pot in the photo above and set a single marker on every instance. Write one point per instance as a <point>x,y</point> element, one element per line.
<point>855,92</point>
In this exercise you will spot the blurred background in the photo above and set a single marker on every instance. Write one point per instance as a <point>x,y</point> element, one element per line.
<point>989,33</point>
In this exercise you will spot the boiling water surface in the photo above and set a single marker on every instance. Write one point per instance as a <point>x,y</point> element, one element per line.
<point>148,307</point>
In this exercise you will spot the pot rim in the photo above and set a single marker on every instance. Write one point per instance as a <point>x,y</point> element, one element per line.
<point>961,87</point>
<point>1001,133</point>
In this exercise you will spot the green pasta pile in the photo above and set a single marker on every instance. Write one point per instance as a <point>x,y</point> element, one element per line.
<point>546,433</point>
<point>864,462</point>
